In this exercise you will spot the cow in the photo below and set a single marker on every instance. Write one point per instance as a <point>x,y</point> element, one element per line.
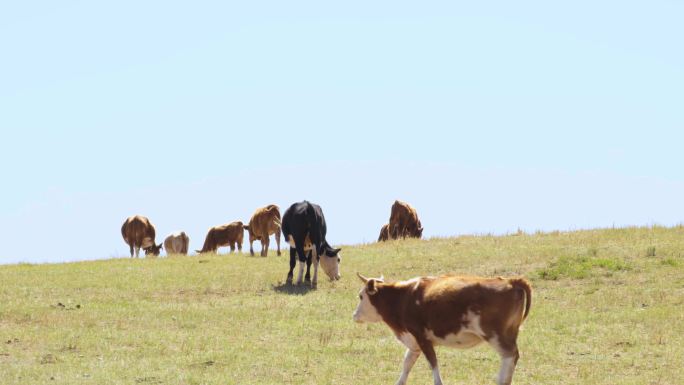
<point>384,233</point>
<point>304,229</point>
<point>138,232</point>
<point>177,243</point>
<point>264,222</point>
<point>404,221</point>
<point>450,310</point>
<point>223,235</point>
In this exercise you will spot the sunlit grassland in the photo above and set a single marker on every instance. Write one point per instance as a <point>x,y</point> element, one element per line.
<point>607,309</point>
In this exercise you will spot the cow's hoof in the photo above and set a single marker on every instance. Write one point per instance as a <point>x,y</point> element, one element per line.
<point>314,283</point>
<point>289,280</point>
<point>279,253</point>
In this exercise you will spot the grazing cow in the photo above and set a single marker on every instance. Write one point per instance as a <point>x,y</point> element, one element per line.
<point>138,232</point>
<point>305,229</point>
<point>264,222</point>
<point>449,310</point>
<point>177,243</point>
<point>404,221</point>
<point>384,233</point>
<point>224,235</point>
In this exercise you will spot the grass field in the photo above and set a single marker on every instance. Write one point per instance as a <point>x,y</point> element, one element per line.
<point>607,309</point>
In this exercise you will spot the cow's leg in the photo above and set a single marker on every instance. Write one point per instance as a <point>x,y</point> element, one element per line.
<point>316,261</point>
<point>429,352</point>
<point>409,359</point>
<point>301,255</point>
<point>131,246</point>
<point>232,247</point>
<point>137,252</point>
<point>307,277</point>
<point>264,247</point>
<point>251,246</point>
<point>293,263</point>
<point>508,350</point>
<point>277,237</point>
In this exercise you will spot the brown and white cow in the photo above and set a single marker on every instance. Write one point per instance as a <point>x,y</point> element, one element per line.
<point>264,222</point>
<point>225,235</point>
<point>384,233</point>
<point>138,232</point>
<point>177,243</point>
<point>404,221</point>
<point>449,310</point>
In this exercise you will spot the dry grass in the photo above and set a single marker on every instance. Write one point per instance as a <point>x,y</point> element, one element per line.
<point>607,309</point>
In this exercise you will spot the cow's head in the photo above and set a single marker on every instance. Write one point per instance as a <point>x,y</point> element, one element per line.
<point>365,311</point>
<point>419,232</point>
<point>153,250</point>
<point>330,262</point>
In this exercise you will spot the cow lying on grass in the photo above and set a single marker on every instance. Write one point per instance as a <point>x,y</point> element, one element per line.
<point>449,310</point>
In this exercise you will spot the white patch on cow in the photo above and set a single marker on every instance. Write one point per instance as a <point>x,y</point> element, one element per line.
<point>307,245</point>
<point>469,336</point>
<point>507,362</point>
<point>410,358</point>
<point>331,266</point>
<point>506,372</point>
<point>462,340</point>
<point>301,272</point>
<point>365,311</point>
<point>408,340</point>
<point>436,376</point>
<point>418,302</point>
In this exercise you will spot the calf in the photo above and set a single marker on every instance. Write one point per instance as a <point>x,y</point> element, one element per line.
<point>404,221</point>
<point>177,243</point>
<point>384,233</point>
<point>225,235</point>
<point>138,232</point>
<point>264,222</point>
<point>449,310</point>
<point>305,229</point>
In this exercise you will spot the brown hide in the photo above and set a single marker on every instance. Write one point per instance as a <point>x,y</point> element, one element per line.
<point>404,222</point>
<point>136,230</point>
<point>225,235</point>
<point>264,222</point>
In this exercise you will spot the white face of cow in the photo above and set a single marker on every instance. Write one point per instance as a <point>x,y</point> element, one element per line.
<point>331,265</point>
<point>365,311</point>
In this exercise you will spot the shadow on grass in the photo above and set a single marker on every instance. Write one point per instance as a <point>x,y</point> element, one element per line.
<point>288,288</point>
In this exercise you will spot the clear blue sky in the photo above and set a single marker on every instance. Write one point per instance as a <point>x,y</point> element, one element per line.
<point>486,116</point>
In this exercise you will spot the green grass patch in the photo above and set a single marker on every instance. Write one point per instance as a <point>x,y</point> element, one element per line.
<point>601,314</point>
<point>581,267</point>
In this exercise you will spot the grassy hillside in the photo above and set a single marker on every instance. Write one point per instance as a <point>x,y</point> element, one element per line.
<point>607,309</point>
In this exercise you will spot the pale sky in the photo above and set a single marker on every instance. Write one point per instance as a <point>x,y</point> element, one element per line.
<point>486,117</point>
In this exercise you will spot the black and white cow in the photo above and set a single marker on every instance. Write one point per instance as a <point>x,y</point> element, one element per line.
<point>304,228</point>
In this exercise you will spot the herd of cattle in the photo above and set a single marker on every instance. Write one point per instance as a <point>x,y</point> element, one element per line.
<point>448,310</point>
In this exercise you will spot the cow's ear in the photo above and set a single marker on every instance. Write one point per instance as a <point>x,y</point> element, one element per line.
<point>161,246</point>
<point>362,278</point>
<point>335,251</point>
<point>371,287</point>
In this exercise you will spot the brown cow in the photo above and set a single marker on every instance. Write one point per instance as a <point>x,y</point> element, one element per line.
<point>224,235</point>
<point>384,233</point>
<point>138,232</point>
<point>264,222</point>
<point>449,310</point>
<point>404,221</point>
<point>177,243</point>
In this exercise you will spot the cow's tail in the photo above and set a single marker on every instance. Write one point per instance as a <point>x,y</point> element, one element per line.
<point>523,285</point>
